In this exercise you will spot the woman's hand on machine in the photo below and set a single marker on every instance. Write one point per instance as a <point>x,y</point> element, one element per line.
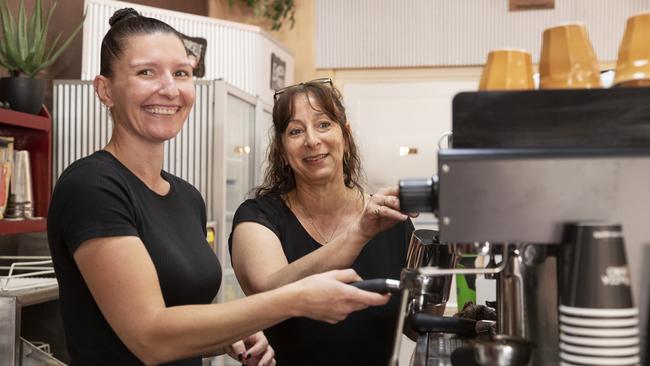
<point>381,212</point>
<point>253,350</point>
<point>327,297</point>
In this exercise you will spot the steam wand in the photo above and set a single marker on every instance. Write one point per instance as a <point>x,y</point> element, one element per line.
<point>435,271</point>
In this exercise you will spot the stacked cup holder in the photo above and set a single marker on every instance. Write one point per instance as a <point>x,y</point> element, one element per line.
<point>598,322</point>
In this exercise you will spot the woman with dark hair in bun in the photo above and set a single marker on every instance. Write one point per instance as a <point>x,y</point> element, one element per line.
<point>136,276</point>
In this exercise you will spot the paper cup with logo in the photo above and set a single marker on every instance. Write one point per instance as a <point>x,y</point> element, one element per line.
<point>633,64</point>
<point>507,69</point>
<point>595,273</point>
<point>568,60</point>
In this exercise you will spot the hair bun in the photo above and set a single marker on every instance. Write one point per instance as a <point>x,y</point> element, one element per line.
<point>124,13</point>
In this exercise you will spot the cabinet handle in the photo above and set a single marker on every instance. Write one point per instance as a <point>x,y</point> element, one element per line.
<point>242,150</point>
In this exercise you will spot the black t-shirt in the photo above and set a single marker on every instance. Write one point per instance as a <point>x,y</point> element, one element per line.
<point>364,337</point>
<point>96,197</point>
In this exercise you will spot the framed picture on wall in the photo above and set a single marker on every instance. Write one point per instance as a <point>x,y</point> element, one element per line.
<point>278,72</point>
<point>195,47</point>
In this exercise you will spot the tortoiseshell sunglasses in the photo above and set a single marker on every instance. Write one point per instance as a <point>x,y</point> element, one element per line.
<point>315,81</point>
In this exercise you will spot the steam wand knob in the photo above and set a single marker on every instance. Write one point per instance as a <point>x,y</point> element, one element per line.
<point>419,194</point>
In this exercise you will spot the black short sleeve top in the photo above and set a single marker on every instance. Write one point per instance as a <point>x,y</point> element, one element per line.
<point>365,337</point>
<point>97,197</point>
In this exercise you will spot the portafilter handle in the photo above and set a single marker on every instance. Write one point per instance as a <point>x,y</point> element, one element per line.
<point>427,323</point>
<point>378,285</point>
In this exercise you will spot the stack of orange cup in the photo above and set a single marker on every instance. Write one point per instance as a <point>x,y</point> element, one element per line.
<point>633,64</point>
<point>568,60</point>
<point>507,69</point>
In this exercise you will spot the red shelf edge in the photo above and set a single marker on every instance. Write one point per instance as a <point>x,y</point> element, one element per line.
<point>22,226</point>
<point>33,121</point>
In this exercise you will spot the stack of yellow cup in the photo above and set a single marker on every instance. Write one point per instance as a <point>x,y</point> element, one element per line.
<point>633,64</point>
<point>507,69</point>
<point>568,60</point>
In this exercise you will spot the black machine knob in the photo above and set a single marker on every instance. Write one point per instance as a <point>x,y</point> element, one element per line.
<point>418,194</point>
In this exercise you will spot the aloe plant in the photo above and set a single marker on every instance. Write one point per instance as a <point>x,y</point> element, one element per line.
<point>23,48</point>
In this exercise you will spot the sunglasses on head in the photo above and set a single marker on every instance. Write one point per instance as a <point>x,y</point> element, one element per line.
<point>315,81</point>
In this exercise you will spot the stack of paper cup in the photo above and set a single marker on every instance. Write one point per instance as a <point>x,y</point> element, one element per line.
<point>598,322</point>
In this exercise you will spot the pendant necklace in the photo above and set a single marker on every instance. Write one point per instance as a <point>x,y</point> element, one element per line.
<point>313,224</point>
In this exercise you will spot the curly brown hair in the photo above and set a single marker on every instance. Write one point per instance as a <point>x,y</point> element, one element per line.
<point>279,177</point>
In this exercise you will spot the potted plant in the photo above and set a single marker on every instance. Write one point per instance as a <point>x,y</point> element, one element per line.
<point>275,10</point>
<point>24,53</point>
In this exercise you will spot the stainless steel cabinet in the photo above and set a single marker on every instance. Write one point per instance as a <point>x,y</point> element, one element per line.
<point>235,164</point>
<point>31,333</point>
<point>241,135</point>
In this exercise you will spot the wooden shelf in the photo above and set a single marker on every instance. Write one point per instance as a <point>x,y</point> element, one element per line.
<point>22,226</point>
<point>34,134</point>
<point>26,120</point>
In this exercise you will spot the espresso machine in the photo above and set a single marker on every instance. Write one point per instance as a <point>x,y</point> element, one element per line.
<point>523,165</point>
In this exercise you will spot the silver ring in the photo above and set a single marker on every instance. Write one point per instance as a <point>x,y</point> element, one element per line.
<point>378,211</point>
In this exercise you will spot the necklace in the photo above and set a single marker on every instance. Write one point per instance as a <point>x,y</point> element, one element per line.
<point>313,224</point>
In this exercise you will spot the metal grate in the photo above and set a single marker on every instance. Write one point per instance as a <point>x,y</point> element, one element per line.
<point>26,272</point>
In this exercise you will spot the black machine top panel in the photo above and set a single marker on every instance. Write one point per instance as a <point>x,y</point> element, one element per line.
<point>585,118</point>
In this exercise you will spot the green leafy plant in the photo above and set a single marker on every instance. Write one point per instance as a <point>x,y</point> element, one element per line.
<point>23,47</point>
<point>276,10</point>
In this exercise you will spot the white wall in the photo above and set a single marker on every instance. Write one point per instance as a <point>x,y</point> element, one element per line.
<point>386,115</point>
<point>416,33</point>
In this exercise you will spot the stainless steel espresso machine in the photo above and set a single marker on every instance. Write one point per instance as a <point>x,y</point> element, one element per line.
<point>523,166</point>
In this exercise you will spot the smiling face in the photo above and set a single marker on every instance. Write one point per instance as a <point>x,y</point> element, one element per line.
<point>151,91</point>
<point>313,143</point>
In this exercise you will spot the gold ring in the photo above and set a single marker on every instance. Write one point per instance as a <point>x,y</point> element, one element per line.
<point>378,211</point>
